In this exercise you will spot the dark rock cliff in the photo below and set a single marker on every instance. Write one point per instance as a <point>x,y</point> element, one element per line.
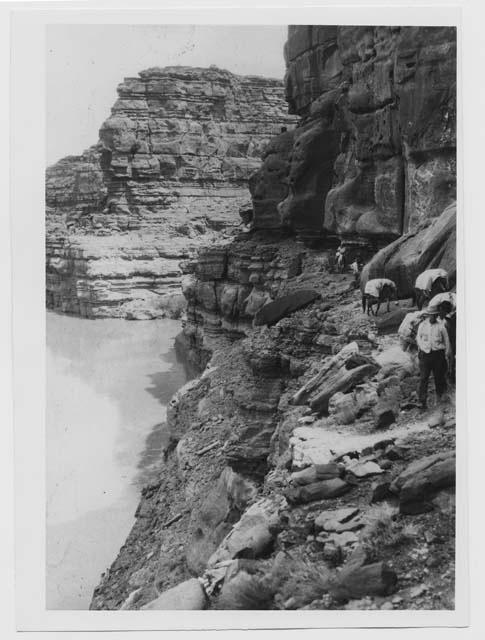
<point>375,152</point>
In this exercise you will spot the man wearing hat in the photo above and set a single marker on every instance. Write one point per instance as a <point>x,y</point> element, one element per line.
<point>434,352</point>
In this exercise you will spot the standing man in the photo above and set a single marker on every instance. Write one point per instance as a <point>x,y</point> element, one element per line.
<point>434,352</point>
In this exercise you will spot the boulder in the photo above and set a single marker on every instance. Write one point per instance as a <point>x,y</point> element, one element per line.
<point>188,595</point>
<point>281,307</point>
<point>363,469</point>
<point>325,489</point>
<point>386,322</point>
<point>342,380</point>
<point>344,407</point>
<point>422,480</point>
<point>339,520</point>
<point>417,467</point>
<point>431,246</point>
<point>245,591</point>
<point>396,362</point>
<point>251,536</point>
<point>377,579</point>
<point>209,524</point>
<point>416,492</point>
<point>341,373</point>
<point>338,361</point>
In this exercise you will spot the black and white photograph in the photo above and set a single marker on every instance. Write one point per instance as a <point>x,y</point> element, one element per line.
<point>251,320</point>
<point>249,297</point>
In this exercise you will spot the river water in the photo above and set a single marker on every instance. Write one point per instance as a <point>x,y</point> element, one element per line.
<point>108,384</point>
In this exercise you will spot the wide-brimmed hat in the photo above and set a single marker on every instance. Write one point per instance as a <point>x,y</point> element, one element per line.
<point>432,311</point>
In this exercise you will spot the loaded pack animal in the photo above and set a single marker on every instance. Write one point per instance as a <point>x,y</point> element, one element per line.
<point>429,284</point>
<point>377,291</point>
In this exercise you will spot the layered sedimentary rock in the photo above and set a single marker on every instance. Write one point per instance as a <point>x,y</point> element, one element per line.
<point>302,405</point>
<point>169,172</point>
<point>374,155</point>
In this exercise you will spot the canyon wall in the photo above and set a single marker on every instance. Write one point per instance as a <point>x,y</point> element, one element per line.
<point>371,163</point>
<point>304,419</point>
<point>374,155</point>
<point>169,172</point>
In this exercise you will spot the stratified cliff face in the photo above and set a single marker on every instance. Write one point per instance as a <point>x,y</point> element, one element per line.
<point>169,172</point>
<point>305,418</point>
<point>375,153</point>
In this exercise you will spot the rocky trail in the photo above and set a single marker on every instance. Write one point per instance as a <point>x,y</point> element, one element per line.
<point>281,491</point>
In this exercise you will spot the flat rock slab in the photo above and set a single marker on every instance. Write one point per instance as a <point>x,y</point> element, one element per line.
<point>352,525</point>
<point>314,473</point>
<point>343,539</point>
<point>281,307</point>
<point>338,515</point>
<point>364,469</point>
<point>186,596</point>
<point>322,444</point>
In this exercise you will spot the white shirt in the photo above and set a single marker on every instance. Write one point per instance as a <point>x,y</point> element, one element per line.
<point>410,324</point>
<point>433,337</point>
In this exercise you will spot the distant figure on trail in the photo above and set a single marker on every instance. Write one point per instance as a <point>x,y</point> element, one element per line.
<point>356,268</point>
<point>434,353</point>
<point>340,258</point>
<point>246,214</point>
<point>376,291</point>
<point>428,284</point>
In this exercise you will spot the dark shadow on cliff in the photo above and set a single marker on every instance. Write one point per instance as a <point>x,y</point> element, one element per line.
<point>163,386</point>
<point>165,383</point>
<point>151,456</point>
